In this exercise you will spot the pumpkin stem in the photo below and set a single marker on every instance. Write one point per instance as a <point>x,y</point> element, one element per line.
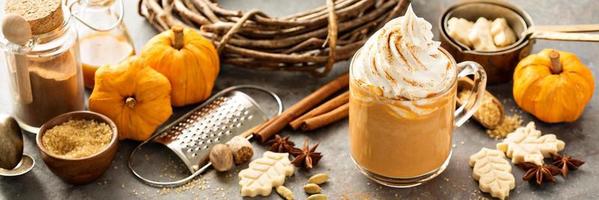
<point>556,66</point>
<point>130,102</point>
<point>178,37</point>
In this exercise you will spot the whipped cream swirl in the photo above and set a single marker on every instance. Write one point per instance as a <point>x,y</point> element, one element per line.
<point>403,60</point>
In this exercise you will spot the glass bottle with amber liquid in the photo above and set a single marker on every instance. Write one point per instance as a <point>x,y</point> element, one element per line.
<point>103,37</point>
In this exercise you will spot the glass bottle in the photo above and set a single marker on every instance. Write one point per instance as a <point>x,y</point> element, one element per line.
<point>103,37</point>
<point>44,73</point>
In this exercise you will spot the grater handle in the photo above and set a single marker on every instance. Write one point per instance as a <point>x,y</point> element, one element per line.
<point>164,183</point>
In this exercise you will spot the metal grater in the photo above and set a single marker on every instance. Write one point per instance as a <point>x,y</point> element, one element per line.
<point>192,136</point>
<point>224,116</point>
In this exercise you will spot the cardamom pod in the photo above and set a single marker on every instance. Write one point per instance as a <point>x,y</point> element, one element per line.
<point>318,197</point>
<point>285,192</point>
<point>312,188</point>
<point>319,178</point>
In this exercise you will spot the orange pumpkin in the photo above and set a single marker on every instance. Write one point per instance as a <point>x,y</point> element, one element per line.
<point>136,97</point>
<point>188,60</point>
<point>554,86</point>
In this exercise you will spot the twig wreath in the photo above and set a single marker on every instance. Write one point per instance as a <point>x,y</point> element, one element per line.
<point>310,41</point>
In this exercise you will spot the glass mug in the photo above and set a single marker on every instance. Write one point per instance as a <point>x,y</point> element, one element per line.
<point>404,143</point>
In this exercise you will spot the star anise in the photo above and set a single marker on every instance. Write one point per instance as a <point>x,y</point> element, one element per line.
<point>540,173</point>
<point>566,163</point>
<point>281,144</point>
<point>306,157</point>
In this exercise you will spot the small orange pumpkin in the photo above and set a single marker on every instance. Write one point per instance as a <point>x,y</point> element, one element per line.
<point>187,59</point>
<point>136,97</point>
<point>554,86</point>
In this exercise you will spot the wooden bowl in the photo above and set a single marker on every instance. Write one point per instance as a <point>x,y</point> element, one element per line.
<point>79,170</point>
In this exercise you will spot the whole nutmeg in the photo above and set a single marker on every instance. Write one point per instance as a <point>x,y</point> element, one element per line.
<point>242,149</point>
<point>221,157</point>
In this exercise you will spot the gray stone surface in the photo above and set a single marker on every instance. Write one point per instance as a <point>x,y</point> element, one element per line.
<point>346,182</point>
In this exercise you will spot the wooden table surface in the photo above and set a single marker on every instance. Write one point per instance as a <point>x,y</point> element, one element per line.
<point>581,137</point>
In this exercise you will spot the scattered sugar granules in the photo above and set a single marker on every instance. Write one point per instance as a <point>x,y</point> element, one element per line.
<point>77,138</point>
<point>199,183</point>
<point>489,113</point>
<point>509,124</point>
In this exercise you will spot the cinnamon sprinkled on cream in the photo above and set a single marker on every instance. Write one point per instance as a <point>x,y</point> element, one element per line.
<point>403,60</point>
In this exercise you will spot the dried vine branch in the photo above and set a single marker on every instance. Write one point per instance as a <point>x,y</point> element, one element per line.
<point>310,41</point>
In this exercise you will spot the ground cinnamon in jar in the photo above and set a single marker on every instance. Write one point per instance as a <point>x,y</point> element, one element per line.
<point>77,138</point>
<point>44,72</point>
<point>56,88</point>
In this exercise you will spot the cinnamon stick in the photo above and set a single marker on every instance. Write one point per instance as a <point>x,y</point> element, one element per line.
<point>301,107</point>
<point>255,128</point>
<point>325,107</point>
<point>327,118</point>
<point>263,125</point>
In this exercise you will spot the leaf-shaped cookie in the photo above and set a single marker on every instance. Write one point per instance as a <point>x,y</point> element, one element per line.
<point>265,173</point>
<point>526,144</point>
<point>493,172</point>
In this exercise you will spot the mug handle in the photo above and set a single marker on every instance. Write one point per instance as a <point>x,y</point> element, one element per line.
<point>467,109</point>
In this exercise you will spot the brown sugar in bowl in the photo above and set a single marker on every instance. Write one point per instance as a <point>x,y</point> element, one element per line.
<point>79,170</point>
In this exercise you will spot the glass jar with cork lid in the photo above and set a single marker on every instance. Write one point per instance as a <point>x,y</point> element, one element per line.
<point>40,51</point>
<point>103,38</point>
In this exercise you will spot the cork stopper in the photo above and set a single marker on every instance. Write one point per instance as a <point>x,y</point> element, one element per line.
<point>43,15</point>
